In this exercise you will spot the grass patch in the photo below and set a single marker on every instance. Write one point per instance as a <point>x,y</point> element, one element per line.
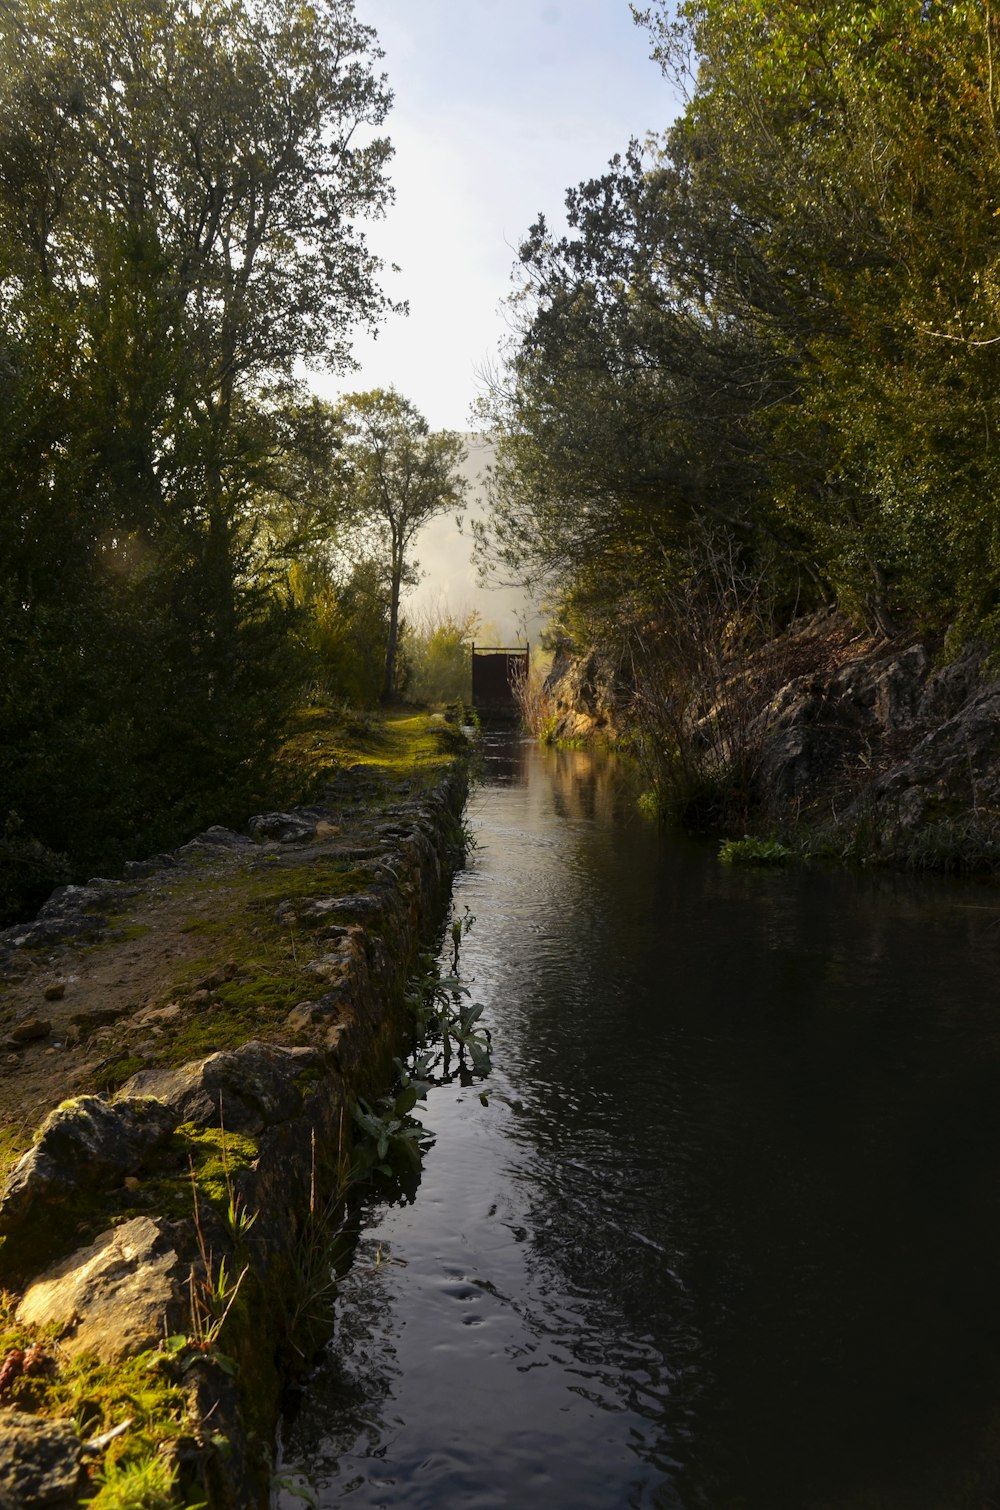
<point>130,932</point>
<point>149,1484</point>
<point>98,1397</point>
<point>324,741</point>
<point>14,1141</point>
<point>115,1073</point>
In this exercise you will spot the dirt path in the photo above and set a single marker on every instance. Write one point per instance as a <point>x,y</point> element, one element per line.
<point>94,1003</point>
<point>190,959</point>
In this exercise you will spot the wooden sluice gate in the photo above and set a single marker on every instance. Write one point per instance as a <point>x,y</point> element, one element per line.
<point>497,672</point>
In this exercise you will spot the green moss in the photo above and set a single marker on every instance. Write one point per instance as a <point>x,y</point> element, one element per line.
<point>213,1155</point>
<point>129,932</point>
<point>98,1397</point>
<point>114,1074</point>
<point>270,955</point>
<point>14,1141</point>
<point>324,742</point>
<point>213,925</point>
<point>217,1157</point>
<point>265,888</point>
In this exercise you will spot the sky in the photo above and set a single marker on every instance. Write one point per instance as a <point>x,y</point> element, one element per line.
<point>500,106</point>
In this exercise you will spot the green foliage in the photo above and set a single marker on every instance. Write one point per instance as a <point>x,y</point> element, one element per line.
<point>450,1043</point>
<point>149,1484</point>
<point>439,654</point>
<point>180,209</point>
<point>964,844</point>
<point>754,851</point>
<point>346,631</point>
<point>444,1014</point>
<point>779,320</point>
<point>391,1134</point>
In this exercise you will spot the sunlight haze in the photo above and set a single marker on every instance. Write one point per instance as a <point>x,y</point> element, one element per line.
<point>499,109</point>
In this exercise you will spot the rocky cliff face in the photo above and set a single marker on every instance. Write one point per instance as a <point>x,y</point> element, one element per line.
<point>835,727</point>
<point>887,727</point>
<point>588,697</point>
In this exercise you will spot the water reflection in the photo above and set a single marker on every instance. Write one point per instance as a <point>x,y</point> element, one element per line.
<point>727,1234</point>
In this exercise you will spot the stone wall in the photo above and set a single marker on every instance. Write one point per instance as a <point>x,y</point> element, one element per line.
<point>283,1110</point>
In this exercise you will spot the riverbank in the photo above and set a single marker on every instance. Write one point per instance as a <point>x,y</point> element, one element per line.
<point>835,741</point>
<point>165,1236</point>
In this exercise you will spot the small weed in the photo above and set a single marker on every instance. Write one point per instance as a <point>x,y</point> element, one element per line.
<point>390,1132</point>
<point>150,1484</point>
<point>457,930</point>
<point>238,1218</point>
<point>296,1488</point>
<point>212,1294</point>
<point>323,1251</point>
<point>751,851</point>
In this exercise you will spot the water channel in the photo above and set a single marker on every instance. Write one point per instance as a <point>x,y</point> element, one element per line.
<point>727,1235</point>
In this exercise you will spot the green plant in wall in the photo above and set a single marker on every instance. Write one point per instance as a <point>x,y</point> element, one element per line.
<point>444,1013</point>
<point>392,1135</point>
<point>457,930</point>
<point>212,1291</point>
<point>474,1040</point>
<point>450,1042</point>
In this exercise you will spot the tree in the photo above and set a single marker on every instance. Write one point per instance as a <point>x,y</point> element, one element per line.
<point>841,169</point>
<point>782,318</point>
<point>398,475</point>
<point>439,650</point>
<point>183,188</point>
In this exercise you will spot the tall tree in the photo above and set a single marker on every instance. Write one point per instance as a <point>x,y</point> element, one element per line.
<point>782,317</point>
<point>841,172</point>
<point>183,186</point>
<point>398,475</point>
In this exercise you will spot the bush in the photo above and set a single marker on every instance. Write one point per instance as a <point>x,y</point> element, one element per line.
<point>751,851</point>
<point>438,652</point>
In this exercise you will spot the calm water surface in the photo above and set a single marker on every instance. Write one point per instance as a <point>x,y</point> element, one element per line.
<point>727,1235</point>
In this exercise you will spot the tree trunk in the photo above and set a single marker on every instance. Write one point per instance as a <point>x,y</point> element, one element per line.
<point>389,678</point>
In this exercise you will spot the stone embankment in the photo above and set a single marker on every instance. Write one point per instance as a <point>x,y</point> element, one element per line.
<point>837,727</point>
<point>166,1237</point>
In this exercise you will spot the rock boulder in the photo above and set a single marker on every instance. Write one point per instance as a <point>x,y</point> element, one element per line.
<point>244,1090</point>
<point>83,1144</point>
<point>116,1297</point>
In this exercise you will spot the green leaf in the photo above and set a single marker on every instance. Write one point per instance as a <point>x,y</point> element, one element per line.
<point>406,1101</point>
